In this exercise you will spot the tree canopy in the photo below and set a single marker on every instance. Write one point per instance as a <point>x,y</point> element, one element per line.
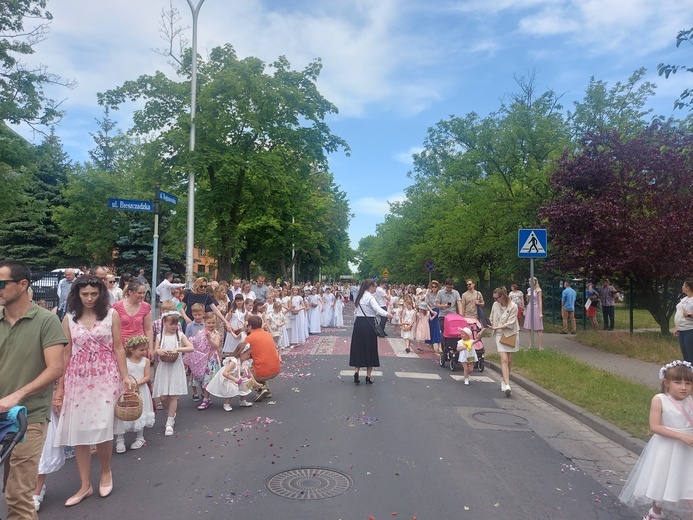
<point>260,157</point>
<point>686,97</point>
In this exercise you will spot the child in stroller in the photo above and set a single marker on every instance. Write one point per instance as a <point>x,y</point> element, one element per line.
<point>452,327</point>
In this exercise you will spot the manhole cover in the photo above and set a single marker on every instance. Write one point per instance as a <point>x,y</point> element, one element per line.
<point>501,419</point>
<point>308,483</point>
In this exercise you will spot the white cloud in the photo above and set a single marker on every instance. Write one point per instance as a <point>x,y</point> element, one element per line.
<point>405,157</point>
<point>376,207</point>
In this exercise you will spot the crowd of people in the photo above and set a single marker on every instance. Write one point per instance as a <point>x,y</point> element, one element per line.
<point>223,339</point>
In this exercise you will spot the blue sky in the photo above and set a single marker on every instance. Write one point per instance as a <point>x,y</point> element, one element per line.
<point>393,67</point>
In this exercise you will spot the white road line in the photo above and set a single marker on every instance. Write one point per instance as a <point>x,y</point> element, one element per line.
<point>417,375</point>
<point>375,373</point>
<point>480,379</point>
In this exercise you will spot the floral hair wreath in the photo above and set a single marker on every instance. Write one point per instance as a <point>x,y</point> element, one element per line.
<point>169,313</point>
<point>136,341</point>
<point>678,362</point>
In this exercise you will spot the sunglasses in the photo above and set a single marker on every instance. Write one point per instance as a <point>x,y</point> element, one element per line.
<point>469,284</point>
<point>111,282</point>
<point>3,283</point>
<point>91,282</point>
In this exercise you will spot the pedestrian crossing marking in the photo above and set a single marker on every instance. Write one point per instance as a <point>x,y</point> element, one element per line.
<point>480,379</point>
<point>533,245</point>
<point>417,375</point>
<point>398,347</point>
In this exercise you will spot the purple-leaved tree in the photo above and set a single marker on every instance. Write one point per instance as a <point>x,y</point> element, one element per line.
<point>624,208</point>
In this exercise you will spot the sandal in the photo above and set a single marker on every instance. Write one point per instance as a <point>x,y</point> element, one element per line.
<point>120,447</point>
<point>138,444</point>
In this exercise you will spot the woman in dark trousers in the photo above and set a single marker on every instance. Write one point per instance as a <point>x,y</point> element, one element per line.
<point>364,340</point>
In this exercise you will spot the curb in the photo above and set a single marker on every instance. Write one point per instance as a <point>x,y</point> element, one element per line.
<point>598,424</point>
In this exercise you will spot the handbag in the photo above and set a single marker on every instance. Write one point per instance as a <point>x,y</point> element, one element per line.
<point>376,326</point>
<point>508,341</point>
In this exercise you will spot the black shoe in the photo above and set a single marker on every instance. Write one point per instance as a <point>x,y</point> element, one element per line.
<point>384,334</point>
<point>368,381</point>
<point>356,379</point>
<point>564,332</point>
<point>575,332</point>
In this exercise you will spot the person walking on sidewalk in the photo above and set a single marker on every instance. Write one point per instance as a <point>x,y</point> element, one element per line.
<point>568,308</point>
<point>683,321</point>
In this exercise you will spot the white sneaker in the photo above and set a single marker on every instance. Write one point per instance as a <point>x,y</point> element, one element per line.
<point>502,386</point>
<point>169,430</point>
<point>227,407</point>
<point>466,382</point>
<point>507,390</point>
<point>120,447</point>
<point>37,502</point>
<point>245,403</point>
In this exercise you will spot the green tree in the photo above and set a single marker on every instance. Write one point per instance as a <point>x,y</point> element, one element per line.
<point>686,97</point>
<point>29,233</point>
<point>261,139</point>
<point>22,98</point>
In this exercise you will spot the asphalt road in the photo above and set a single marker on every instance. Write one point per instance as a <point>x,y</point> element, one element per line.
<point>417,444</point>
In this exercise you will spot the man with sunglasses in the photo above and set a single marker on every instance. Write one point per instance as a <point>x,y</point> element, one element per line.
<point>31,359</point>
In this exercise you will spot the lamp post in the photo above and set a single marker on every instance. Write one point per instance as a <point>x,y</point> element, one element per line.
<point>190,245</point>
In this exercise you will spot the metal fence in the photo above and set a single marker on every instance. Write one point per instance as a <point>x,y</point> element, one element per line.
<point>45,287</point>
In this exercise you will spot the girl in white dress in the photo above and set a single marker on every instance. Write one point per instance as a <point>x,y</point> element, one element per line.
<point>170,381</point>
<point>298,320</point>
<point>138,365</point>
<point>236,325</point>
<point>235,379</point>
<point>314,311</point>
<point>662,475</point>
<point>339,309</point>
<point>275,322</point>
<point>328,311</point>
<point>408,324</point>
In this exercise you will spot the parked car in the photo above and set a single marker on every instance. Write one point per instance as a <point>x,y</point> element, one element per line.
<point>46,286</point>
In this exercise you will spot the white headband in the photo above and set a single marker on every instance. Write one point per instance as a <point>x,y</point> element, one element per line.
<point>169,313</point>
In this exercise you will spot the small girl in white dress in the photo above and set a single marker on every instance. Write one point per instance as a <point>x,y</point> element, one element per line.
<point>408,324</point>
<point>138,365</point>
<point>170,381</point>
<point>276,322</point>
<point>339,309</point>
<point>662,475</point>
<point>235,379</point>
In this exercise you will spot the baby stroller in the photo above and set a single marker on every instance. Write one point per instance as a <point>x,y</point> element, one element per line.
<point>452,326</point>
<point>12,430</point>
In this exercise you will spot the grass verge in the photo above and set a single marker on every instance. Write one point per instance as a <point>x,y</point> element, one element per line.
<point>613,398</point>
<point>645,346</point>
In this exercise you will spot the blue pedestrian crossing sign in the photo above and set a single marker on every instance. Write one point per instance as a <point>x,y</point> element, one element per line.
<point>531,243</point>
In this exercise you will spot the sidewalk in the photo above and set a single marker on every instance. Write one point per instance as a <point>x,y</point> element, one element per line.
<point>633,369</point>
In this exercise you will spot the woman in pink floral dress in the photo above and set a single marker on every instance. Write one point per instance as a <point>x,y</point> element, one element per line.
<point>95,369</point>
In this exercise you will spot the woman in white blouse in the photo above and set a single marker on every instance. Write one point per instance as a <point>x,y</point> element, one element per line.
<point>364,340</point>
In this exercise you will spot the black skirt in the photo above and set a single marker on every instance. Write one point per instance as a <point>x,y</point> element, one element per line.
<point>364,344</point>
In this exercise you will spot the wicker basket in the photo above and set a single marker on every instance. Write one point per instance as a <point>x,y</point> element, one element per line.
<point>129,405</point>
<point>169,357</point>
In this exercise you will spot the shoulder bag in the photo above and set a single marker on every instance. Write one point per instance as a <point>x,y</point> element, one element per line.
<point>374,323</point>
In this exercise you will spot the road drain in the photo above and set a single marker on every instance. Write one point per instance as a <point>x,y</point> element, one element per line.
<point>308,483</point>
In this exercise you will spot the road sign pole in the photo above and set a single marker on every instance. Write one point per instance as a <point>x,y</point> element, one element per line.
<point>531,301</point>
<point>155,254</point>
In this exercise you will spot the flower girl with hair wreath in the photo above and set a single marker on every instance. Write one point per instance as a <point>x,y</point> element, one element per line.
<point>662,476</point>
